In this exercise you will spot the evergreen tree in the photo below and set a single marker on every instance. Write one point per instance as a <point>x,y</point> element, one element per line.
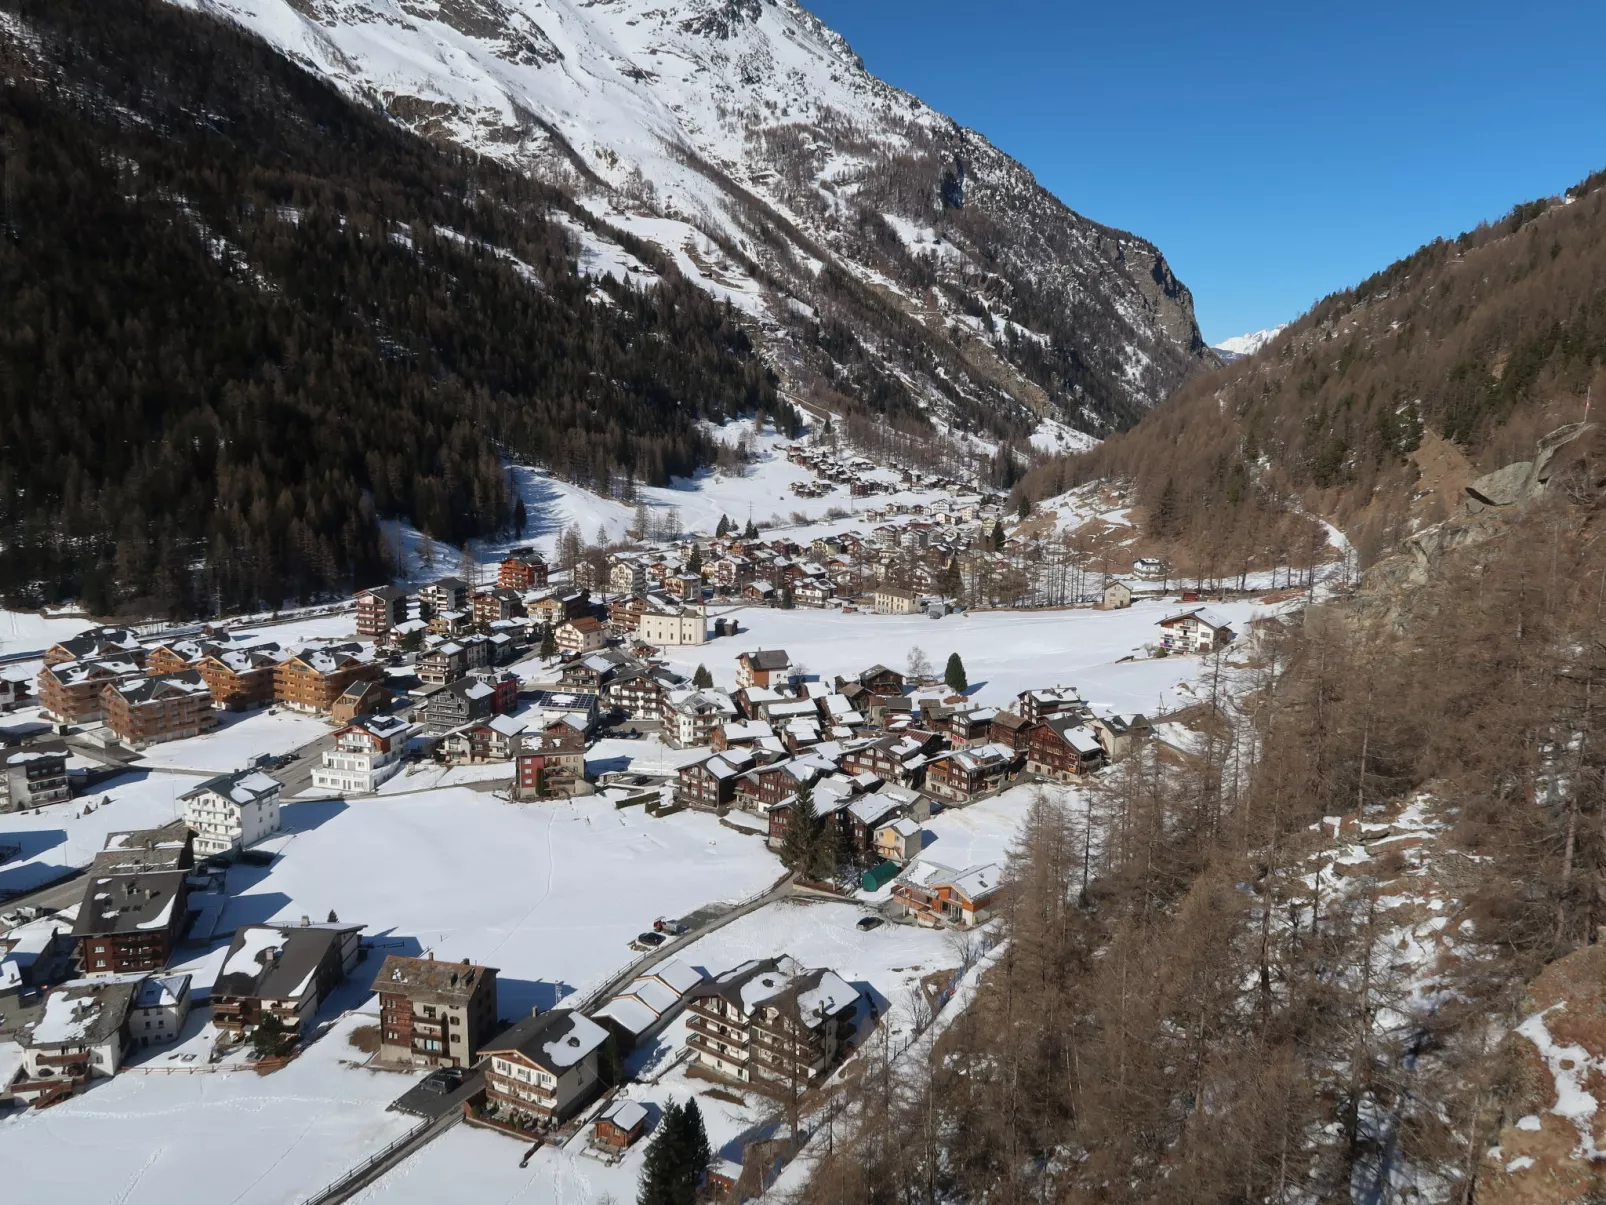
<point>521,518</point>
<point>750,532</point>
<point>724,528</point>
<point>1025,508</point>
<point>788,600</point>
<point>660,1171</point>
<point>694,563</point>
<point>827,855</point>
<point>954,674</point>
<point>333,919</point>
<point>702,679</point>
<point>695,1150</point>
<point>998,534</point>
<point>1167,512</point>
<point>549,643</point>
<point>800,843</point>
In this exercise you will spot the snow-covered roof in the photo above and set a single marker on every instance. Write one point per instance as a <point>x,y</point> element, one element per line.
<point>626,1114</point>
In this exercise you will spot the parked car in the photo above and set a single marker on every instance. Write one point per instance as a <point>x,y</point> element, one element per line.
<point>649,941</point>
<point>447,1079</point>
<point>866,923</point>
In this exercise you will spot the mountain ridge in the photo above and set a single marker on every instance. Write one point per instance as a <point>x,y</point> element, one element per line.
<point>969,299</point>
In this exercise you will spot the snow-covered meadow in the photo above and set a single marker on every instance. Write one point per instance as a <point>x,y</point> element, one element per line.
<point>1005,652</point>
<point>550,893</point>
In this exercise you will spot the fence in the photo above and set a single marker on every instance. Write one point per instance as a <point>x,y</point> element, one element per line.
<point>348,1181</point>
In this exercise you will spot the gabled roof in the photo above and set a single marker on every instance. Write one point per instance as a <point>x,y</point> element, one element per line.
<point>767,659</point>
<point>276,962</point>
<point>242,787</point>
<point>128,903</point>
<point>553,1041</point>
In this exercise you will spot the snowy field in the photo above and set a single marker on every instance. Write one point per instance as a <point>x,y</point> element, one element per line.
<point>551,893</point>
<point>648,754</point>
<point>237,739</point>
<point>234,1137</point>
<point>1005,652</point>
<point>427,776</point>
<point>24,631</point>
<point>60,837</point>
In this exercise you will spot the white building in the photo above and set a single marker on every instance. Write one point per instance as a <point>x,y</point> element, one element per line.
<point>160,1008</point>
<point>673,625</point>
<point>366,754</point>
<point>1200,630</point>
<point>233,812</point>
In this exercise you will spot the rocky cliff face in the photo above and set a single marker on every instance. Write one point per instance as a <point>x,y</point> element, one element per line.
<point>883,251</point>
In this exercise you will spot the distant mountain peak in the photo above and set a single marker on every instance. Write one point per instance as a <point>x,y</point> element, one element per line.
<point>1240,346</point>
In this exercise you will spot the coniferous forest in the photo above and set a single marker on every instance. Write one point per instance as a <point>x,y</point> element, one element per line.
<point>245,320</point>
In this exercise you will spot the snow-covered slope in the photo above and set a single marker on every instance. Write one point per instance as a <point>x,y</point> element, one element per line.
<point>880,247</point>
<point>1240,346</point>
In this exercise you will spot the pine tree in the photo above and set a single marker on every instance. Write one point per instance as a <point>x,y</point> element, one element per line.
<point>1167,512</point>
<point>788,600</point>
<point>998,534</point>
<point>521,518</point>
<point>660,1170</point>
<point>549,643</point>
<point>827,855</point>
<point>954,674</point>
<point>694,563</point>
<point>750,532</point>
<point>696,1154</point>
<point>724,528</point>
<point>800,842</point>
<point>333,919</point>
<point>702,679</point>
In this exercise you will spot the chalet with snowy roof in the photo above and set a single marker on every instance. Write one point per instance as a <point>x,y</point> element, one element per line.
<point>772,1020</point>
<point>81,1034</point>
<point>1063,748</point>
<point>622,1123</point>
<point>312,678</point>
<point>1010,729</point>
<point>72,691</point>
<point>496,605</point>
<point>232,811</point>
<point>1120,734</point>
<point>366,753</point>
<point>458,703</point>
<point>879,680</point>
<point>899,840</point>
<point>643,1007</point>
<point>1199,630</point>
<point>488,740</point>
<point>963,774</point>
<point>1039,704</point>
<point>434,1014</point>
<point>761,788</point>
<point>971,727</point>
<point>936,895</point>
<point>710,784</point>
<point>240,679</point>
<point>690,717</point>
<point>284,971</point>
<point>379,610</point>
<point>545,1068</point>
<point>97,644</point>
<point>160,1008</point>
<point>130,922</point>
<point>151,711</point>
<point>763,667</point>
<point>357,700</point>
<point>670,624</point>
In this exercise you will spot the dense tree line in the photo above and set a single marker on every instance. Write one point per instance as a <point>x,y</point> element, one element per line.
<point>1486,340</point>
<point>246,320</point>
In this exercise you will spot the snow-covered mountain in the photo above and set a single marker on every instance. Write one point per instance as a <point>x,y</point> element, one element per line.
<point>883,251</point>
<point>1240,346</point>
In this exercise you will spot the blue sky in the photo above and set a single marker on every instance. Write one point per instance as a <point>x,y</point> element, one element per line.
<point>1274,152</point>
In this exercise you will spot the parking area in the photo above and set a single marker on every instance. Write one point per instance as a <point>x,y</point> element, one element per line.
<point>426,1099</point>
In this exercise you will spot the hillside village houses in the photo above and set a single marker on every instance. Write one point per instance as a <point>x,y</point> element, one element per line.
<point>771,1020</point>
<point>434,1014</point>
<point>1198,630</point>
